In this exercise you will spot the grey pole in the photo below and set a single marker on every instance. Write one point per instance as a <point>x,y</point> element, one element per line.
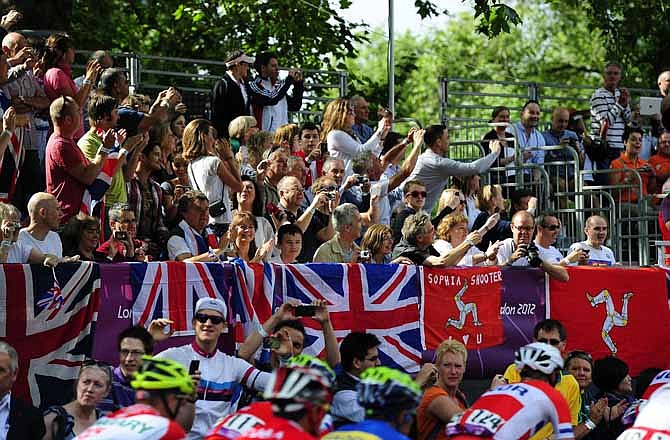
<point>391,62</point>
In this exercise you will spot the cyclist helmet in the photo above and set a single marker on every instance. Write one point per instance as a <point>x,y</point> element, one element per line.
<point>387,389</point>
<point>307,361</point>
<point>292,388</point>
<point>538,356</point>
<point>160,374</point>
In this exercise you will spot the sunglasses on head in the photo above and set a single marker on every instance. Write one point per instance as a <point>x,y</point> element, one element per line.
<point>202,318</point>
<point>416,194</point>
<point>551,341</point>
<point>579,354</point>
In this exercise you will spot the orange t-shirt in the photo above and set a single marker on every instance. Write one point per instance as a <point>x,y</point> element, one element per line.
<point>426,422</point>
<point>623,162</point>
<point>661,165</point>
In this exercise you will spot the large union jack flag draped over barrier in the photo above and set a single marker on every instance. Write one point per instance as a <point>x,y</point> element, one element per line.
<point>171,289</point>
<point>48,315</point>
<point>378,299</point>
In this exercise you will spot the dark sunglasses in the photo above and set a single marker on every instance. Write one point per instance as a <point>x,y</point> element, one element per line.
<point>553,227</point>
<point>551,341</point>
<point>202,319</point>
<point>579,354</point>
<point>94,362</point>
<point>416,194</point>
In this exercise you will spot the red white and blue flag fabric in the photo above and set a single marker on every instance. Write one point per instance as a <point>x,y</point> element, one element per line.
<point>94,194</point>
<point>48,316</point>
<point>10,165</point>
<point>378,299</point>
<point>170,290</point>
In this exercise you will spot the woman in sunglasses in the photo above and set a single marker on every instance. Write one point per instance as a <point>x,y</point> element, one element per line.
<point>338,120</point>
<point>92,386</point>
<point>580,365</point>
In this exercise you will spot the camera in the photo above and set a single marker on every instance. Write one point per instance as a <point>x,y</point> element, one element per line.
<point>533,254</point>
<point>121,235</point>
<point>365,256</point>
<point>274,210</point>
<point>362,179</point>
<point>271,342</point>
<point>330,196</point>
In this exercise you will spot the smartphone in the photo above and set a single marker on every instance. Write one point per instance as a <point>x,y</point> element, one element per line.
<point>324,149</point>
<point>121,235</point>
<point>193,366</point>
<point>303,310</point>
<point>271,342</point>
<point>263,164</point>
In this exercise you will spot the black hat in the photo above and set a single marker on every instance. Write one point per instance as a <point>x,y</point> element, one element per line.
<point>608,373</point>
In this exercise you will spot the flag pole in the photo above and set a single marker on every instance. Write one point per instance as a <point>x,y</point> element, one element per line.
<point>391,61</point>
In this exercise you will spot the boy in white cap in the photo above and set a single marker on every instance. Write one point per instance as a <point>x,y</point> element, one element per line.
<point>220,376</point>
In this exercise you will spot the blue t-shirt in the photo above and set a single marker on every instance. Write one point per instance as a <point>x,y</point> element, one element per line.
<point>369,429</point>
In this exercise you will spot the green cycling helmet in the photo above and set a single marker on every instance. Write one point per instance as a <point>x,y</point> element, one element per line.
<point>384,388</point>
<point>158,374</point>
<point>307,361</point>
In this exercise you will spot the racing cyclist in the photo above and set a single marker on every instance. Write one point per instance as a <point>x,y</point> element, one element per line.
<point>389,398</point>
<point>165,406</point>
<point>300,398</point>
<point>259,413</point>
<point>518,410</point>
<point>653,421</point>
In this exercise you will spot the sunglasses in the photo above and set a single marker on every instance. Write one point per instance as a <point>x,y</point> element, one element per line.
<point>579,354</point>
<point>553,227</point>
<point>94,362</point>
<point>551,341</point>
<point>416,194</point>
<point>202,319</point>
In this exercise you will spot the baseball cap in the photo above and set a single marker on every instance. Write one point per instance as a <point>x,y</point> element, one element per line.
<point>212,304</point>
<point>243,58</point>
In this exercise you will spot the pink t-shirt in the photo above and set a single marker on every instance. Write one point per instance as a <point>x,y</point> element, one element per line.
<point>56,80</point>
<point>61,156</point>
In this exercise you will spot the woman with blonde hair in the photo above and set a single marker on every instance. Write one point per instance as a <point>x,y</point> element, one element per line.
<point>443,400</point>
<point>378,240</point>
<point>242,235</point>
<point>286,136</point>
<point>240,130</point>
<point>208,173</point>
<point>451,233</point>
<point>490,201</point>
<point>338,120</point>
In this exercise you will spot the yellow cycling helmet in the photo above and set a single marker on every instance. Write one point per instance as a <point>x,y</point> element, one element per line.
<point>159,374</point>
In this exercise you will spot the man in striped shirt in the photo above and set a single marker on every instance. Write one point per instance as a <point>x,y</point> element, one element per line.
<point>610,112</point>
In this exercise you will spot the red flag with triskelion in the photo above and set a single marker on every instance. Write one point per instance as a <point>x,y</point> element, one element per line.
<point>463,304</point>
<point>615,311</point>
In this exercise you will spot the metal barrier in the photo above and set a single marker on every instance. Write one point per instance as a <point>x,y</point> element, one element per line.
<point>196,77</point>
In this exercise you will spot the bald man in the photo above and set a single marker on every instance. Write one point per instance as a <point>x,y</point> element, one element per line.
<point>45,214</point>
<point>597,254</point>
<point>514,251</point>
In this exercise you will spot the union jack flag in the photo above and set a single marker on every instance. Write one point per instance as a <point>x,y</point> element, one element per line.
<point>171,289</point>
<point>48,316</point>
<point>10,166</point>
<point>253,299</point>
<point>94,194</point>
<point>378,299</point>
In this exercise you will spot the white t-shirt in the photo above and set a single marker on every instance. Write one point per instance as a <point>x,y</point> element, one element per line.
<point>550,254</point>
<point>205,171</point>
<point>506,250</point>
<point>19,253</point>
<point>50,245</point>
<point>597,257</point>
<point>220,386</point>
<point>443,246</point>
<point>342,146</point>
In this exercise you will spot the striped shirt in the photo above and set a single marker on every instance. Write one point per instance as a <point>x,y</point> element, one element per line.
<point>605,107</point>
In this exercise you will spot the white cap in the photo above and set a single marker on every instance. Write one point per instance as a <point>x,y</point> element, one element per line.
<point>241,59</point>
<point>212,304</point>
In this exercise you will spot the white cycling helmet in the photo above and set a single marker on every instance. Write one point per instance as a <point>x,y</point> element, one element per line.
<point>538,356</point>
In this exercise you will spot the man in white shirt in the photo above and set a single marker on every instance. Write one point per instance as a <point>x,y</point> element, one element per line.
<point>191,240</point>
<point>44,214</point>
<point>515,251</point>
<point>528,136</point>
<point>220,376</point>
<point>597,254</point>
<point>548,227</point>
<point>433,168</point>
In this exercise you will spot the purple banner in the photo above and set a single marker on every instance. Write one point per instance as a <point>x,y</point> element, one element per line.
<point>523,304</point>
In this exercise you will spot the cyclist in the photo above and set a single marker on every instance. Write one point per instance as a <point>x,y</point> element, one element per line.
<point>389,398</point>
<point>259,413</point>
<point>300,398</point>
<point>518,410</point>
<point>165,407</point>
<point>653,421</point>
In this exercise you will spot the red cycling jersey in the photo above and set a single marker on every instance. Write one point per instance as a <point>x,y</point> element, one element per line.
<point>514,411</point>
<point>277,429</point>
<point>233,425</point>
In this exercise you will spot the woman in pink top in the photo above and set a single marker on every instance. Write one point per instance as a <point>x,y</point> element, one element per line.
<point>58,59</point>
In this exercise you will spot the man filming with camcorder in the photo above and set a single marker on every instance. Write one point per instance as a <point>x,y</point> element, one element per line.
<point>520,250</point>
